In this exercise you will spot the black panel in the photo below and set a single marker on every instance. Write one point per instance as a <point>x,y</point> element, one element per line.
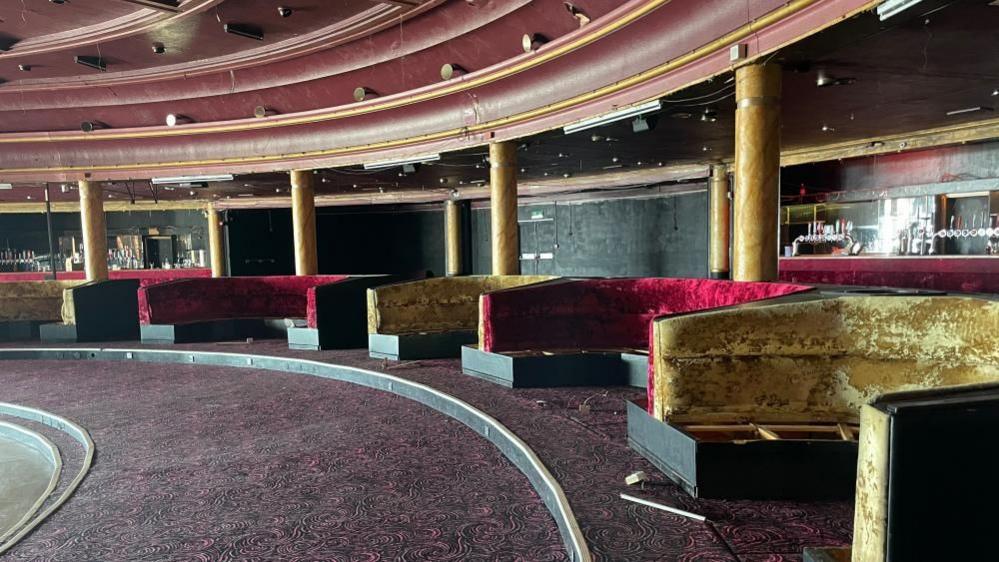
<point>943,489</point>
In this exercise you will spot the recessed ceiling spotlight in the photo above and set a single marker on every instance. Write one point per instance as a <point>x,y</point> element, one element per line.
<point>159,48</point>
<point>710,114</point>
<point>705,148</point>
<point>660,164</point>
<point>995,92</point>
<point>284,11</point>
<point>827,129</point>
<point>614,159</point>
<point>567,175</point>
<point>24,67</point>
<point>362,93</point>
<point>639,163</point>
<point>244,30</point>
<point>545,174</point>
<point>325,180</point>
<point>190,192</point>
<point>523,170</point>
<point>171,119</point>
<point>532,41</point>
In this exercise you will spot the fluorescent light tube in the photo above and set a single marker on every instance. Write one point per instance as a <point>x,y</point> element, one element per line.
<point>394,163</point>
<point>191,179</point>
<point>619,115</point>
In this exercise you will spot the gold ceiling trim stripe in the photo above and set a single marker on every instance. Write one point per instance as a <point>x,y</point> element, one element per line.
<point>787,10</point>
<point>462,85</point>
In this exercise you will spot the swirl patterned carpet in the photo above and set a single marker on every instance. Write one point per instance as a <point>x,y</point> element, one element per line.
<point>587,453</point>
<point>205,463</point>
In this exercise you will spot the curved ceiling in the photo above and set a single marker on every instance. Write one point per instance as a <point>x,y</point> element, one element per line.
<point>595,57</point>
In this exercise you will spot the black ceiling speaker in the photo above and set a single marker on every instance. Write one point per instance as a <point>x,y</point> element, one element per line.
<point>244,30</point>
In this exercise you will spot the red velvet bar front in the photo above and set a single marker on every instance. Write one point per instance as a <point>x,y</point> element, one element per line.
<point>604,313</point>
<point>197,300</point>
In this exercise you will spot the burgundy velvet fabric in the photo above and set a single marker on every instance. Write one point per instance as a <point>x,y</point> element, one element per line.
<point>144,275</point>
<point>955,274</point>
<point>195,300</point>
<point>604,313</point>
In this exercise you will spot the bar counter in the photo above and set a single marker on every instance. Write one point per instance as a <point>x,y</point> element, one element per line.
<point>158,274</point>
<point>967,274</point>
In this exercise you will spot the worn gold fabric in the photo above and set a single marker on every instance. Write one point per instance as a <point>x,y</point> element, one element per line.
<point>870,517</point>
<point>33,300</point>
<point>436,305</point>
<point>819,360</point>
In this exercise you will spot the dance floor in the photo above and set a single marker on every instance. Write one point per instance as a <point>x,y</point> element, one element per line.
<point>223,463</point>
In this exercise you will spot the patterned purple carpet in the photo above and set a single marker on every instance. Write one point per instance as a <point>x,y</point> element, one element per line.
<point>202,463</point>
<point>587,453</point>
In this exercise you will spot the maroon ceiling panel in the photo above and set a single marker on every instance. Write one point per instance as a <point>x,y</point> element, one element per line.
<point>666,33</point>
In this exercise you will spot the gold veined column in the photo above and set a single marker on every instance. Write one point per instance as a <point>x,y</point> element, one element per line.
<point>215,252</point>
<point>95,231</point>
<point>303,218</point>
<point>453,242</point>
<point>503,208</point>
<point>757,173</point>
<point>719,211</point>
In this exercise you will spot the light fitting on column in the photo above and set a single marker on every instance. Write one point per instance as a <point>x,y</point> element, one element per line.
<point>532,41</point>
<point>362,93</point>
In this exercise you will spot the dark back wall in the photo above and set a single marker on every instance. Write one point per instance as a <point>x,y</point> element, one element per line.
<point>660,235</point>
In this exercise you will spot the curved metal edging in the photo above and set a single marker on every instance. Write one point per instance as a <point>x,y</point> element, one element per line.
<point>66,426</point>
<point>51,452</point>
<point>511,446</point>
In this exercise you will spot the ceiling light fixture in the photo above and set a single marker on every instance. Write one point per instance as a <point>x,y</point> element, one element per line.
<point>284,11</point>
<point>402,162</point>
<point>262,111</point>
<point>159,48</point>
<point>90,126</point>
<point>244,30</point>
<point>6,186</point>
<point>451,70</point>
<point>532,41</point>
<point>191,179</point>
<point>362,93</point>
<point>620,114</point>
<point>173,119</point>
<point>968,110</point>
<point>24,67</point>
<point>97,63</point>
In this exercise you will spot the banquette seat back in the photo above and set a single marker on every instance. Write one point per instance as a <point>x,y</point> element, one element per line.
<point>197,300</point>
<point>819,359</point>
<point>603,314</point>
<point>436,305</point>
<point>33,300</point>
